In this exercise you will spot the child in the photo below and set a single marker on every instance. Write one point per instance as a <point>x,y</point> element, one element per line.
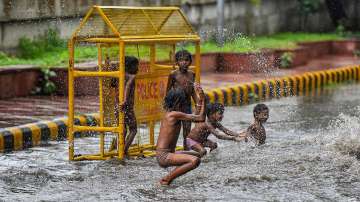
<point>183,78</point>
<point>256,131</point>
<point>169,134</point>
<point>127,106</point>
<point>198,137</point>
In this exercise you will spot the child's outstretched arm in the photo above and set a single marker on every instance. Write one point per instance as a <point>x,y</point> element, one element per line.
<point>222,136</point>
<point>225,130</point>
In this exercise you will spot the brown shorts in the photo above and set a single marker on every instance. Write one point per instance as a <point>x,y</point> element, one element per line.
<point>162,157</point>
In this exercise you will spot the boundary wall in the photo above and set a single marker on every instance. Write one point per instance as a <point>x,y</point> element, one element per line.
<point>309,83</point>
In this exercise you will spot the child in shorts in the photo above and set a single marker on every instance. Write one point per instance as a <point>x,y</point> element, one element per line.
<point>197,140</point>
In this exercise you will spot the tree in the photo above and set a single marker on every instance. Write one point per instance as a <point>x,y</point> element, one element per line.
<point>336,12</point>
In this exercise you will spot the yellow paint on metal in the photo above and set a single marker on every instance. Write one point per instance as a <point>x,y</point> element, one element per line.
<point>229,96</point>
<point>260,90</point>
<point>237,94</point>
<point>281,84</point>
<point>211,96</point>
<point>53,127</point>
<point>246,93</point>
<point>35,134</point>
<point>267,89</point>
<point>18,138</point>
<point>288,87</point>
<point>306,84</point>
<point>335,76</point>
<point>2,147</point>
<point>274,93</point>
<point>323,75</point>
<point>220,95</point>
<point>294,84</point>
<point>301,85</point>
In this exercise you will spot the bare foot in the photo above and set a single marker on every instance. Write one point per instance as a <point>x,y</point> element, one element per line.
<point>163,182</point>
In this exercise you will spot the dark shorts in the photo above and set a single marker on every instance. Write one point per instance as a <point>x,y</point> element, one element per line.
<point>187,109</point>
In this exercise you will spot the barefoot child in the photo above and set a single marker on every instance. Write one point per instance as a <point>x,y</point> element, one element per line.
<point>169,134</point>
<point>256,130</point>
<point>183,78</point>
<point>127,106</point>
<point>198,137</point>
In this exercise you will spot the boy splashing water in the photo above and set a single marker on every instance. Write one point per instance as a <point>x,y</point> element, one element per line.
<point>184,78</point>
<point>256,130</point>
<point>169,134</point>
<point>198,137</point>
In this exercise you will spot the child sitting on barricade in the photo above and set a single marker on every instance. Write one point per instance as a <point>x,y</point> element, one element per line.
<point>197,140</point>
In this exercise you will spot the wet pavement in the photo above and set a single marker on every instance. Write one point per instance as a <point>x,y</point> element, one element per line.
<point>310,155</point>
<point>17,111</point>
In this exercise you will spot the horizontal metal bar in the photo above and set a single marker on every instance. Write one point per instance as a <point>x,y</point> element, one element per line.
<point>95,128</point>
<point>115,74</point>
<point>140,8</point>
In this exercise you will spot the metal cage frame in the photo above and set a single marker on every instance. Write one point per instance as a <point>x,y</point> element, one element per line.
<point>113,20</point>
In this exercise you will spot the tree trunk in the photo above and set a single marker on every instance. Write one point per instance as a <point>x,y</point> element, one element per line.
<point>336,11</point>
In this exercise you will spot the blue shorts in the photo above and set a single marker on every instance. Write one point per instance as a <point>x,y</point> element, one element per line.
<point>187,109</point>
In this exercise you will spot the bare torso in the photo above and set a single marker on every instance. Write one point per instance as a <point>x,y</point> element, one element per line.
<point>184,81</point>
<point>257,131</point>
<point>200,133</point>
<point>169,133</point>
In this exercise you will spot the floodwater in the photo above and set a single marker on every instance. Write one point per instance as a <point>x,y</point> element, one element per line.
<point>311,154</point>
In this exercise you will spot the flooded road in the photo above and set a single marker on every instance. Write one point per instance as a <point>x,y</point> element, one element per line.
<point>311,153</point>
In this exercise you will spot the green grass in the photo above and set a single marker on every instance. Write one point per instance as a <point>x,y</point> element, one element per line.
<point>251,44</point>
<point>49,50</point>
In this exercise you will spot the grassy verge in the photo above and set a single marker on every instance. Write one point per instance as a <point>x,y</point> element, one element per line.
<point>49,50</point>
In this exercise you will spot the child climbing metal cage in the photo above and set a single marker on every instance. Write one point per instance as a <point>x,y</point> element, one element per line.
<point>150,35</point>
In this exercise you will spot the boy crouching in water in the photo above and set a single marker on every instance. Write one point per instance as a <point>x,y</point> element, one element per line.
<point>198,137</point>
<point>169,134</point>
<point>256,130</point>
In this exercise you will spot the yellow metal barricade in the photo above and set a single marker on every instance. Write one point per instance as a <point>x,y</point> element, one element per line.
<point>113,29</point>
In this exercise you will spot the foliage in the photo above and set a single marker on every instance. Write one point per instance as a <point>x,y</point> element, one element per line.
<point>58,56</point>
<point>340,30</point>
<point>48,42</point>
<point>255,2</point>
<point>356,53</point>
<point>46,86</point>
<point>286,59</point>
<point>307,7</point>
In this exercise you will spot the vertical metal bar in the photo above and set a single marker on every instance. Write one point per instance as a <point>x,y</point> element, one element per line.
<point>197,62</point>
<point>152,132</point>
<point>152,57</point>
<point>71,99</point>
<point>101,103</point>
<point>121,99</point>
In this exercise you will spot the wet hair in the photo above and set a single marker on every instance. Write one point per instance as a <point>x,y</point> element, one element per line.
<point>131,64</point>
<point>212,108</point>
<point>259,108</point>
<point>183,54</point>
<point>173,98</point>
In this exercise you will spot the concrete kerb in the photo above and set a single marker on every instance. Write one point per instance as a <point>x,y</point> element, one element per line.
<point>35,134</point>
<point>308,83</point>
<point>40,133</point>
